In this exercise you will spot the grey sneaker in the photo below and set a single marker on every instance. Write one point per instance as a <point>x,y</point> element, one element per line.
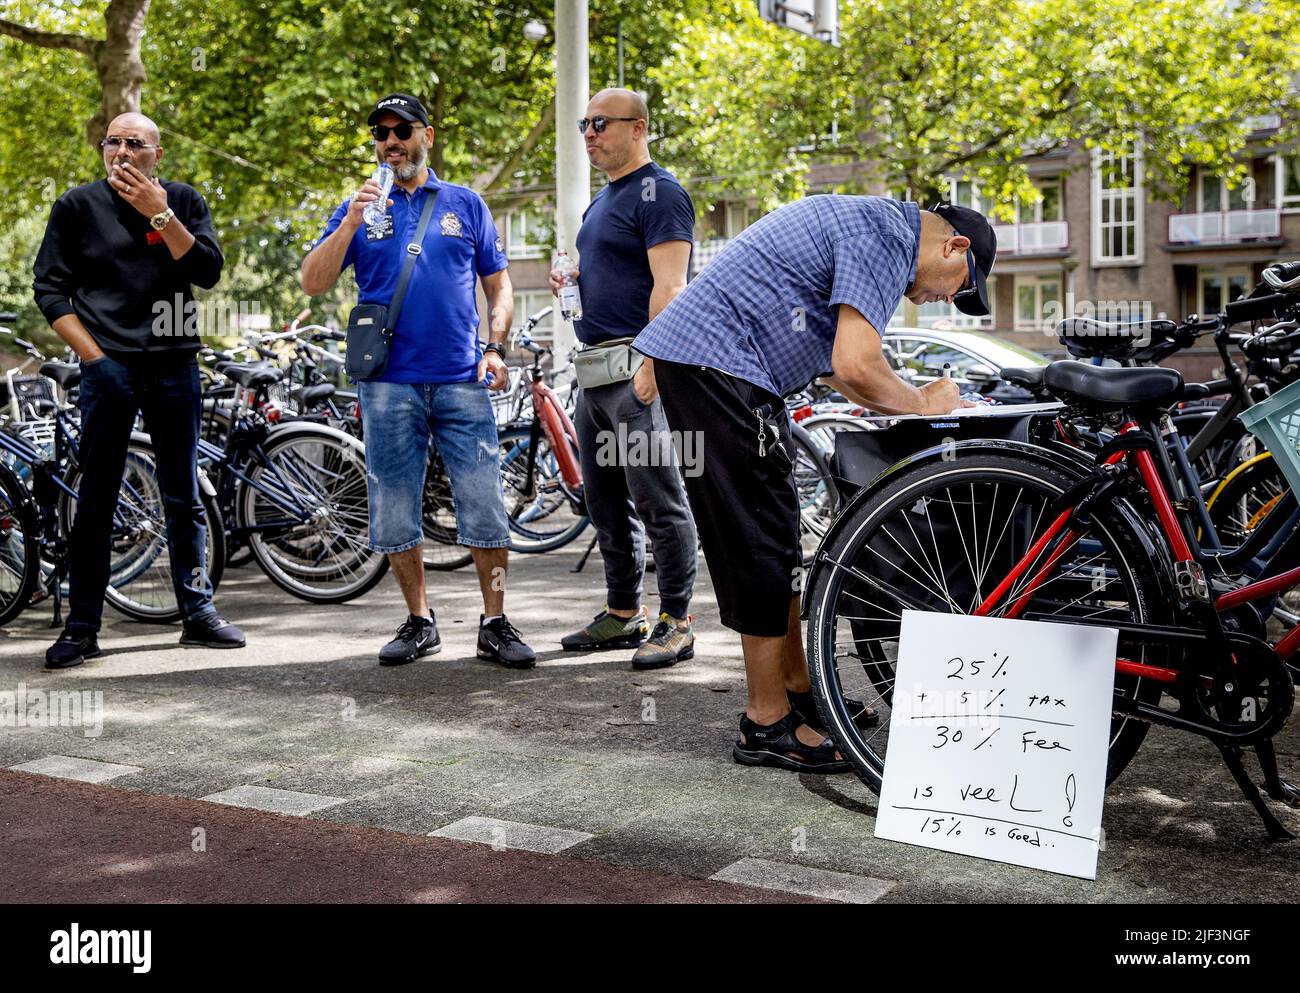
<point>608,631</point>
<point>667,644</point>
<point>417,637</point>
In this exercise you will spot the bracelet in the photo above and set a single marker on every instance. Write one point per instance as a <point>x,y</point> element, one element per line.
<point>495,346</point>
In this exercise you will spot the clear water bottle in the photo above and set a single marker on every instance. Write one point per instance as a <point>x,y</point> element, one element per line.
<point>569,297</point>
<point>376,209</point>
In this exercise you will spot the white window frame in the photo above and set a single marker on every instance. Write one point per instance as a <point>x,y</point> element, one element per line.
<point>517,244</point>
<point>1225,194</point>
<point>1226,272</point>
<point>1287,203</point>
<point>1038,280</point>
<point>1118,196</point>
<point>977,198</point>
<point>529,302</point>
<point>1035,210</point>
<point>738,216</point>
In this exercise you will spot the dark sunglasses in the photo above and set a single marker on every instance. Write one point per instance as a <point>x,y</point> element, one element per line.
<point>403,131</point>
<point>134,144</point>
<point>600,123</point>
<point>970,287</point>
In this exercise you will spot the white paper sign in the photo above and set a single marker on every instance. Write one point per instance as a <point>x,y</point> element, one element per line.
<point>998,738</point>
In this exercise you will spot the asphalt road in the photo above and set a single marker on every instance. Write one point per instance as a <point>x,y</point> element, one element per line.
<point>621,783</point>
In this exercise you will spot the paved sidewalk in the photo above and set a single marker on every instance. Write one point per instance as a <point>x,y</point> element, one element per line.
<point>580,760</point>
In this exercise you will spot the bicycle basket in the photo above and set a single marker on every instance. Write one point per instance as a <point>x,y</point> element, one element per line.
<point>1276,423</point>
<point>29,389</point>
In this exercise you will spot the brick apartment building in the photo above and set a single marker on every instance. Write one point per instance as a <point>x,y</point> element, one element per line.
<point>1097,244</point>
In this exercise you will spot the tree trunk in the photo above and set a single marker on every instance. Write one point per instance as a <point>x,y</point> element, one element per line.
<point>116,58</point>
<point>435,118</point>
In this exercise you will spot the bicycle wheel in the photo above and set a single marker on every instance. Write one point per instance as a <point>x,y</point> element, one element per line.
<point>140,574</point>
<point>547,519</point>
<point>305,506</point>
<point>20,560</point>
<point>945,534</point>
<point>441,551</point>
<point>1246,497</point>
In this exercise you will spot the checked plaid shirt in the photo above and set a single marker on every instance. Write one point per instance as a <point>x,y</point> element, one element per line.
<point>765,309</point>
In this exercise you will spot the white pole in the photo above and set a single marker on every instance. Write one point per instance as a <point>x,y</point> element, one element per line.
<point>572,170</point>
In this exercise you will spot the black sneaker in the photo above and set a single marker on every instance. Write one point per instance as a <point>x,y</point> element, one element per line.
<point>210,631</point>
<point>499,641</point>
<point>72,649</point>
<point>416,638</point>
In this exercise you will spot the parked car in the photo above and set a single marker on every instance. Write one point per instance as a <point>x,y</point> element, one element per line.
<point>976,360</point>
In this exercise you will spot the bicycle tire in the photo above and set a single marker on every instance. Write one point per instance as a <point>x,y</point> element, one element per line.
<point>326,559</point>
<point>1245,497</point>
<point>20,558</point>
<point>139,587</point>
<point>867,518</point>
<point>552,496</point>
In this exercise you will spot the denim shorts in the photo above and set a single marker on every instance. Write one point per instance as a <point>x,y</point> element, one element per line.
<point>400,421</point>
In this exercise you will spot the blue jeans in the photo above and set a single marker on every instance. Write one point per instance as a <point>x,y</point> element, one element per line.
<point>165,389</point>
<point>400,420</point>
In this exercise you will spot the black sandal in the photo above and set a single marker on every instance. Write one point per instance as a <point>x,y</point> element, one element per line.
<point>863,716</point>
<point>776,744</point>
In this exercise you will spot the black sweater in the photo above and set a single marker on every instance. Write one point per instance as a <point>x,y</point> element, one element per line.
<point>97,261</point>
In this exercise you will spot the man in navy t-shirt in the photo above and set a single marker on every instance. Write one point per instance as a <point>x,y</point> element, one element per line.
<point>432,387</point>
<point>634,250</point>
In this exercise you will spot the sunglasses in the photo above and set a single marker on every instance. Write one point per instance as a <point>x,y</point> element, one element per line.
<point>403,131</point>
<point>970,287</point>
<point>600,123</point>
<point>133,144</point>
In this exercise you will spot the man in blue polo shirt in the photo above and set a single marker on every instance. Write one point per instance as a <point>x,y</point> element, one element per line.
<point>431,388</point>
<point>804,293</point>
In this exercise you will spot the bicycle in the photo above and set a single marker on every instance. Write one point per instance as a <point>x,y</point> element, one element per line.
<point>40,475</point>
<point>1057,533</point>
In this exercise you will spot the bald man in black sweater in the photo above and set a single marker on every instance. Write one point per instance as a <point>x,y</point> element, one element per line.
<point>113,277</point>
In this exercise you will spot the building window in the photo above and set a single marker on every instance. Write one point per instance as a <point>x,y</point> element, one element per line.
<point>1213,194</point>
<point>739,217</point>
<point>1050,208</point>
<point>1218,286</point>
<point>1117,205</point>
<point>528,232</point>
<point>966,193</point>
<point>528,302</point>
<point>1288,180</point>
<point>1038,301</point>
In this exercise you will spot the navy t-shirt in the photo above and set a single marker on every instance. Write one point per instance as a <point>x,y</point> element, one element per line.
<point>629,216</point>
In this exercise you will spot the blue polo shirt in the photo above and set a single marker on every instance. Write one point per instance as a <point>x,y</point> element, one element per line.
<point>767,308</point>
<point>436,338</point>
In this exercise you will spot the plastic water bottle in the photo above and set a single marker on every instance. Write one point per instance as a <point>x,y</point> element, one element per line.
<point>569,297</point>
<point>376,209</point>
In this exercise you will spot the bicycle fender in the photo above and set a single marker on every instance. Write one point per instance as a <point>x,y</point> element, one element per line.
<point>1064,458</point>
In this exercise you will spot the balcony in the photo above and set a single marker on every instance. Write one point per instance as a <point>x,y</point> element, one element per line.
<point>1224,227</point>
<point>1033,238</point>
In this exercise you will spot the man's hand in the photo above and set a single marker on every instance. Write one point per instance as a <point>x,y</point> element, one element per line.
<point>644,385</point>
<point>142,192</point>
<point>368,194</point>
<point>557,280</point>
<point>494,366</point>
<point>942,397</point>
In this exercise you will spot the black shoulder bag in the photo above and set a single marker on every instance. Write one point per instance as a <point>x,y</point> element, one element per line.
<point>370,325</point>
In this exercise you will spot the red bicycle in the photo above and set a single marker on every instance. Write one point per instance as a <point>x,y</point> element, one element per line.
<point>1049,532</point>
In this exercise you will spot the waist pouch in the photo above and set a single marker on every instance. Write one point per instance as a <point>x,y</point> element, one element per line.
<point>609,362</point>
<point>368,341</point>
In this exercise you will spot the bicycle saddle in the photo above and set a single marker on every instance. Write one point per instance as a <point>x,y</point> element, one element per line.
<point>1030,378</point>
<point>308,395</point>
<point>1083,337</point>
<point>1109,386</point>
<point>251,375</point>
<point>66,374</point>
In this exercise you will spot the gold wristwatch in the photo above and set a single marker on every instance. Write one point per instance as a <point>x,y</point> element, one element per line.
<point>160,221</point>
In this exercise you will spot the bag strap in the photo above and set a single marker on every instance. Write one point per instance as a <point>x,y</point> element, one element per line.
<point>413,251</point>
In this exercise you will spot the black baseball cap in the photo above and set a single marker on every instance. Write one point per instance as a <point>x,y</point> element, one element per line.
<point>983,248</point>
<point>405,106</point>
